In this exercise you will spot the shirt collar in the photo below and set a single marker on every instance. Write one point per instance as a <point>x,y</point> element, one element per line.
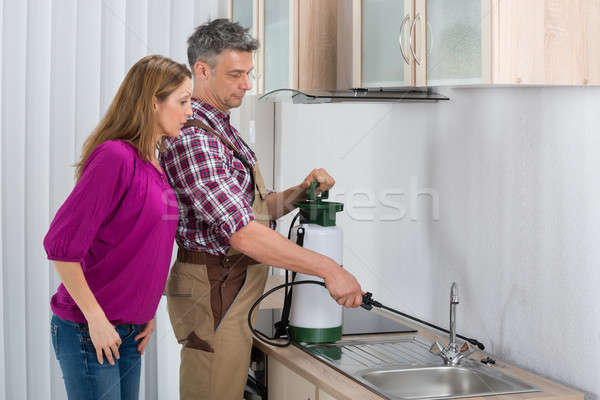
<point>208,111</point>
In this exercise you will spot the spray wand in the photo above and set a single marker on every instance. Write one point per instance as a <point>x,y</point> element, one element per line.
<point>368,304</point>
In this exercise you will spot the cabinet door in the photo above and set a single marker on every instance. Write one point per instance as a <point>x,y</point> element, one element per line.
<point>323,395</point>
<point>317,41</point>
<point>457,46</point>
<point>283,383</point>
<point>245,12</point>
<point>386,57</point>
<point>277,44</point>
<point>541,42</point>
<point>591,35</point>
<point>242,11</point>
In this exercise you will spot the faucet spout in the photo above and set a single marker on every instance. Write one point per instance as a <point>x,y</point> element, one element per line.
<point>453,302</point>
<point>452,354</point>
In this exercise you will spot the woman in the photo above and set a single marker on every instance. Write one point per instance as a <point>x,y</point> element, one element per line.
<point>112,239</point>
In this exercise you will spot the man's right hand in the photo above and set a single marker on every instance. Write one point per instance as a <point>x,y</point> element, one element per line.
<point>343,287</point>
<point>271,248</point>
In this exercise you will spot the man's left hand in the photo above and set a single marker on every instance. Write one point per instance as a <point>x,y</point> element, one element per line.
<point>325,180</point>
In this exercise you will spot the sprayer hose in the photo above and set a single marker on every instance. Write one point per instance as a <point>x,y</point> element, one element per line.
<point>368,303</point>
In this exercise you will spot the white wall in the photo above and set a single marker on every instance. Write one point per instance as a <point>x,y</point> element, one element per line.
<point>516,175</point>
<point>62,62</point>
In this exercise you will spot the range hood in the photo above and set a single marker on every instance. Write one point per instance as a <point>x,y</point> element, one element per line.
<point>311,96</point>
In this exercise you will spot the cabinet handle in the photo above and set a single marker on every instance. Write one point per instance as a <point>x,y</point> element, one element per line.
<point>404,21</point>
<point>410,41</point>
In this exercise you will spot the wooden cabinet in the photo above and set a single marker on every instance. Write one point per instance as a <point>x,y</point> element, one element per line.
<point>297,42</point>
<point>375,44</point>
<point>323,395</point>
<point>391,43</point>
<point>245,12</point>
<point>283,383</point>
<point>591,50</point>
<point>277,42</point>
<point>545,42</point>
<point>317,43</point>
<point>453,42</point>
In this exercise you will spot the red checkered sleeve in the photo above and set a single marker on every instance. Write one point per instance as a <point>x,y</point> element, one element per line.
<point>197,167</point>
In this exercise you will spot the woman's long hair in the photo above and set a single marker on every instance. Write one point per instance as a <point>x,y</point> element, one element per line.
<point>131,116</point>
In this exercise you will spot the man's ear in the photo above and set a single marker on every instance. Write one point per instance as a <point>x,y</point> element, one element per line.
<point>201,70</point>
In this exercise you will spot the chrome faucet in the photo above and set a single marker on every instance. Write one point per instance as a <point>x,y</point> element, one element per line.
<point>452,354</point>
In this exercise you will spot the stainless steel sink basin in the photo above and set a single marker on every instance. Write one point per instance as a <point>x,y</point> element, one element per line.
<point>440,382</point>
<point>403,368</point>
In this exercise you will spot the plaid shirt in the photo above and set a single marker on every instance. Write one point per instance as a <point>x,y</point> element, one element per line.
<point>214,189</point>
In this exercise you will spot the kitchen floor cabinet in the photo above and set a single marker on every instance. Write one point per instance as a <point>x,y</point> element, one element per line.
<point>283,383</point>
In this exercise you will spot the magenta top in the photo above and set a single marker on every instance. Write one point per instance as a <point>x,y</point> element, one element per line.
<point>119,222</point>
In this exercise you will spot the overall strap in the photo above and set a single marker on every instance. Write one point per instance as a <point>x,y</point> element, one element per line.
<point>198,124</point>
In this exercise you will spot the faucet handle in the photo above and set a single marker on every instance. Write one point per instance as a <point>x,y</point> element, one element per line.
<point>467,349</point>
<point>436,348</point>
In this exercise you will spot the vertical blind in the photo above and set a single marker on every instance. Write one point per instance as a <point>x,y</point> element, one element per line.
<point>62,62</point>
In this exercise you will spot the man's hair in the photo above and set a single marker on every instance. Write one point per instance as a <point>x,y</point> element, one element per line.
<point>213,37</point>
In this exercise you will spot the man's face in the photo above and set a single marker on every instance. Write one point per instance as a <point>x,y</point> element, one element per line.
<point>231,77</point>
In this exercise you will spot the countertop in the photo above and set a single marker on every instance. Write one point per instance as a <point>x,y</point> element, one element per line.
<point>343,388</point>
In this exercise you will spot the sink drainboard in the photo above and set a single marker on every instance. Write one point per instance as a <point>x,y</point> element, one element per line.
<point>403,368</point>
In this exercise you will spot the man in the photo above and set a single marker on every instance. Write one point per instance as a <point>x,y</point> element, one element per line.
<point>226,216</point>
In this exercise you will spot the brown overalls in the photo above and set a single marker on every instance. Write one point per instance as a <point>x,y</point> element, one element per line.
<point>208,298</point>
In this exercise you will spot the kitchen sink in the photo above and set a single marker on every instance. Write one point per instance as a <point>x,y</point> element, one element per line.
<point>403,368</point>
<point>441,382</point>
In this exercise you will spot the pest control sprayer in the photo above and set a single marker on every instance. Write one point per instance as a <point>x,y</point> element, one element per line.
<point>314,316</point>
<point>310,314</point>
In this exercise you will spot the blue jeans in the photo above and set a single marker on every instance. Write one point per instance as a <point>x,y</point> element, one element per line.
<point>84,377</point>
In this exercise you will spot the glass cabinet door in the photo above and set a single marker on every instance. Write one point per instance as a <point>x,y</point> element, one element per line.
<point>386,58</point>
<point>277,44</point>
<point>242,12</point>
<point>455,47</point>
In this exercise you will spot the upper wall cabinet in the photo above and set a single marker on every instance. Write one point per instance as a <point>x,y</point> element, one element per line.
<point>375,45</point>
<point>453,42</point>
<point>245,12</point>
<point>277,41</point>
<point>391,43</point>
<point>298,42</point>
<point>546,42</point>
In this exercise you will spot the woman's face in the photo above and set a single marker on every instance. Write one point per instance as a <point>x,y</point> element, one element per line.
<point>173,112</point>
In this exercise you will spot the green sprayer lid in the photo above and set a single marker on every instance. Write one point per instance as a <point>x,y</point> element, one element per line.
<point>314,210</point>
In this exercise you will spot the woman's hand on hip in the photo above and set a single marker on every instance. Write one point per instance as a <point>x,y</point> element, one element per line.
<point>105,339</point>
<point>145,335</point>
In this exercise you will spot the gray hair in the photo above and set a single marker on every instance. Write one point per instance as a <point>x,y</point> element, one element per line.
<point>213,37</point>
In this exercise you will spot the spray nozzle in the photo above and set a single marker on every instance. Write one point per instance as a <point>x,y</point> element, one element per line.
<point>368,303</point>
